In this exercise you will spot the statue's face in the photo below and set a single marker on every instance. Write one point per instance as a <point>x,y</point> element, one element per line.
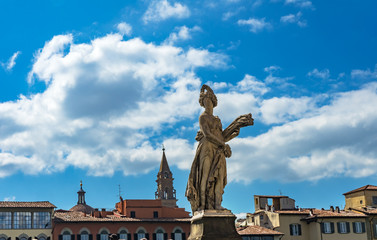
<point>207,102</point>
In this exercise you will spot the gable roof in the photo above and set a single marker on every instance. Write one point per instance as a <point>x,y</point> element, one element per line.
<point>12,204</point>
<point>363,188</point>
<point>258,230</point>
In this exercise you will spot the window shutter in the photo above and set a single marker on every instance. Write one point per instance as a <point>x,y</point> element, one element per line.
<point>332,227</point>
<point>183,236</point>
<point>135,236</point>
<point>291,229</point>
<point>348,227</point>
<point>363,227</point>
<point>165,236</point>
<point>128,236</point>
<point>299,229</point>
<point>98,236</point>
<point>338,225</point>
<point>90,237</point>
<point>354,227</point>
<point>29,238</point>
<point>9,238</point>
<point>154,236</point>
<point>73,237</point>
<point>172,236</point>
<point>322,227</point>
<point>147,236</point>
<point>48,238</point>
<point>60,237</point>
<point>78,237</point>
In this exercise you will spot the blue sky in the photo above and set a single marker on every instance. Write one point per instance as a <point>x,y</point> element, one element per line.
<point>90,90</point>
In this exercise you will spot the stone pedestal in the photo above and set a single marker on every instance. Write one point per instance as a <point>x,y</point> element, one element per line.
<point>213,225</point>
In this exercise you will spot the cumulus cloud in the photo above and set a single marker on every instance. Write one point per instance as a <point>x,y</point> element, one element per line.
<point>160,10</point>
<point>294,18</point>
<point>255,24</point>
<point>11,62</point>
<point>103,102</point>
<point>124,28</point>
<point>181,34</point>
<point>323,74</point>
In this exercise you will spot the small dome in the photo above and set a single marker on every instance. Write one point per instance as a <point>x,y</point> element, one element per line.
<point>82,208</point>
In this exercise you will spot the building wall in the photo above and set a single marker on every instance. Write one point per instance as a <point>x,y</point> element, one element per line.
<point>114,227</point>
<point>13,233</point>
<point>355,200</point>
<point>336,235</point>
<point>284,227</point>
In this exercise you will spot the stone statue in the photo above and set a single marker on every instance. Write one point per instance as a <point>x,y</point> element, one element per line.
<point>208,175</point>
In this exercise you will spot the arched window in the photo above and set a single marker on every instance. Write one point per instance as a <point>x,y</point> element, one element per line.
<point>3,238</point>
<point>159,234</point>
<point>41,238</point>
<point>23,238</point>
<point>104,235</point>
<point>178,234</point>
<point>84,235</point>
<point>66,236</point>
<point>140,234</point>
<point>123,235</point>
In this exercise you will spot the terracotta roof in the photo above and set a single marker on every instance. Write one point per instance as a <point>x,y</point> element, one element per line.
<point>82,208</point>
<point>9,204</point>
<point>294,212</point>
<point>60,217</point>
<point>321,213</point>
<point>257,230</point>
<point>366,187</point>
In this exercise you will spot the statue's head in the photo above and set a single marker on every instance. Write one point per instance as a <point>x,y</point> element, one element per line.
<point>206,92</point>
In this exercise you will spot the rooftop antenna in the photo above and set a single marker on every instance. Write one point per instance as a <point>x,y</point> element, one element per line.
<point>119,191</point>
<point>280,192</point>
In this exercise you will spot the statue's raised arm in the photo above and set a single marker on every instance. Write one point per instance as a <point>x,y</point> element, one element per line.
<point>208,175</point>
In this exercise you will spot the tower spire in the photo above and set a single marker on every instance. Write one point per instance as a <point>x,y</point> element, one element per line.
<point>165,190</point>
<point>81,195</point>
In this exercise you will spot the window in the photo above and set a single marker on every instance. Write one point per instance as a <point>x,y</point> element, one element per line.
<point>374,199</point>
<point>159,235</point>
<point>5,220</point>
<point>327,227</point>
<point>23,238</point>
<point>140,234</point>
<point>155,214</point>
<point>41,238</point>
<point>66,235</point>
<point>358,227</point>
<point>343,227</point>
<point>123,235</point>
<point>261,217</point>
<point>3,238</point>
<point>41,220</point>
<point>178,234</point>
<point>22,220</point>
<point>84,235</point>
<point>104,235</point>
<point>295,229</point>
<point>133,214</point>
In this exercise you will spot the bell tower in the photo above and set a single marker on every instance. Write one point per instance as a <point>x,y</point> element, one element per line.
<point>165,190</point>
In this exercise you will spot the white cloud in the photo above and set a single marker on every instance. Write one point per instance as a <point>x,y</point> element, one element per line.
<point>272,69</point>
<point>159,10</point>
<point>364,74</point>
<point>256,25</point>
<point>124,28</point>
<point>181,34</point>
<point>252,84</point>
<point>11,62</point>
<point>284,109</point>
<point>103,102</point>
<point>300,3</point>
<point>294,18</point>
<point>323,74</point>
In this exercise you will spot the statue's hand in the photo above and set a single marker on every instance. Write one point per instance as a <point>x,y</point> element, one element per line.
<point>227,151</point>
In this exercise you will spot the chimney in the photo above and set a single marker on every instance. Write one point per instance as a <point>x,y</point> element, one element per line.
<point>332,208</point>
<point>337,209</point>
